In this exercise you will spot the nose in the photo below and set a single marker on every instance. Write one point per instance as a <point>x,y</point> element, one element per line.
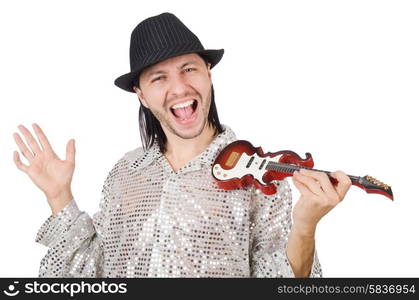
<point>179,86</point>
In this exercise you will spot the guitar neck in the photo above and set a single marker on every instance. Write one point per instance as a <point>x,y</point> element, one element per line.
<point>367,183</point>
<point>288,168</point>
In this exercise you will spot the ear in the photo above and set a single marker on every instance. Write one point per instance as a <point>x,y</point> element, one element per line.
<point>141,97</point>
<point>209,70</point>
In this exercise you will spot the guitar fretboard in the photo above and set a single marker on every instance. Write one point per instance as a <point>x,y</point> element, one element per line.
<point>289,168</point>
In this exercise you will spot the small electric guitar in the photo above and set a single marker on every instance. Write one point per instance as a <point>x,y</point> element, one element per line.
<point>240,165</point>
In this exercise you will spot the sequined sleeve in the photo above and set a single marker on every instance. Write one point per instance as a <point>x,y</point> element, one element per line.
<point>270,226</point>
<point>75,239</point>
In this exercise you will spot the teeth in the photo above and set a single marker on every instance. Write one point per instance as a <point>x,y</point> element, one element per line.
<point>184,104</point>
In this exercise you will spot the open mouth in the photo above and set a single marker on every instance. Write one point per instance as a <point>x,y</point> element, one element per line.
<point>185,111</point>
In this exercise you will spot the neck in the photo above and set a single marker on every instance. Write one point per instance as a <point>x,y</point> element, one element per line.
<point>180,151</point>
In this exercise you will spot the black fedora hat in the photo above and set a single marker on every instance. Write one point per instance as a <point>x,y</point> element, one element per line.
<point>158,38</point>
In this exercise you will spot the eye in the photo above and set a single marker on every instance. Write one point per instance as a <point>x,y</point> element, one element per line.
<point>189,69</point>
<point>157,79</point>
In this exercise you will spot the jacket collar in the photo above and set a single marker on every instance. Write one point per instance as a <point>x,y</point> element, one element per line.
<point>140,159</point>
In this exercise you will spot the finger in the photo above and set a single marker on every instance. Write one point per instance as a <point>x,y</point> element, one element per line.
<point>344,183</point>
<point>71,151</point>
<point>23,148</point>
<point>324,180</point>
<point>33,144</point>
<point>42,138</point>
<point>303,189</point>
<point>310,182</point>
<point>21,166</point>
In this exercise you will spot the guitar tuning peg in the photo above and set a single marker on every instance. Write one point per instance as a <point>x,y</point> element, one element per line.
<point>377,182</point>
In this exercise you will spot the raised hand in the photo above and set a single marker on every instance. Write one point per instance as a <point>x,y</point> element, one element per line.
<point>49,173</point>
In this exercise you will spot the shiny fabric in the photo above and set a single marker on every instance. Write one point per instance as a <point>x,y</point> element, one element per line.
<point>154,222</point>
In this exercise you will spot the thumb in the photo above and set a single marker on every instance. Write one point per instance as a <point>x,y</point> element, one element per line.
<point>71,151</point>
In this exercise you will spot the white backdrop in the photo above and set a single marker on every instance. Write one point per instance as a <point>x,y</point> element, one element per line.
<point>338,79</point>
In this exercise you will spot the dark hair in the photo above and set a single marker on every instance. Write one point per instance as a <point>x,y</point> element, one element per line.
<point>151,130</point>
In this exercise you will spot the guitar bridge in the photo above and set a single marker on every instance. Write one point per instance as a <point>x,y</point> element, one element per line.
<point>232,158</point>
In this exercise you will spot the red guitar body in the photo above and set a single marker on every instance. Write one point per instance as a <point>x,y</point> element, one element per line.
<point>227,162</point>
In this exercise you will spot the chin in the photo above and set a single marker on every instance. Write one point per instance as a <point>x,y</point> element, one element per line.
<point>188,132</point>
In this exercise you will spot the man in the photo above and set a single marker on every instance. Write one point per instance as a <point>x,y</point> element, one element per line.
<point>161,213</point>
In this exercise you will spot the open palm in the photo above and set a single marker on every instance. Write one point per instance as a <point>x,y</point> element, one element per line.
<point>50,173</point>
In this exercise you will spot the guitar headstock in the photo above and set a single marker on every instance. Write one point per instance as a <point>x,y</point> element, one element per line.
<point>373,185</point>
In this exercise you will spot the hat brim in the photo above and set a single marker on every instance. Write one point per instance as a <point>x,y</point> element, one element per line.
<point>126,81</point>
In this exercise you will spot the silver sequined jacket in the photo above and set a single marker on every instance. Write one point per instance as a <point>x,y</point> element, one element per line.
<point>154,222</point>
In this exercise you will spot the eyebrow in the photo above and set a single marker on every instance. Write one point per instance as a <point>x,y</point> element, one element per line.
<point>151,73</point>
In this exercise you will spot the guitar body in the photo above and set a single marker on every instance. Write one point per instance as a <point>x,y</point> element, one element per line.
<point>240,165</point>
